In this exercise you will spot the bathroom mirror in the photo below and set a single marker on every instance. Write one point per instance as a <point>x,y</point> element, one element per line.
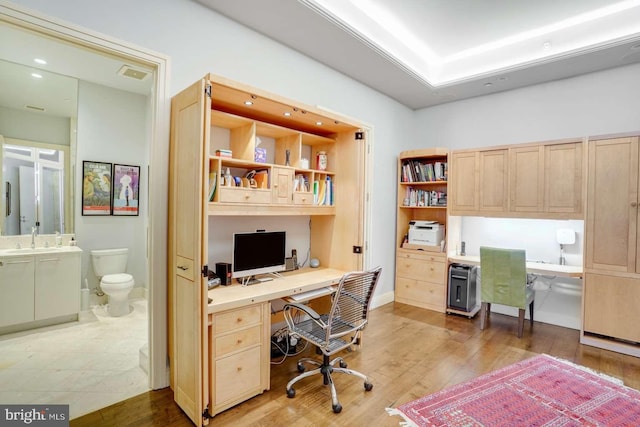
<point>38,112</point>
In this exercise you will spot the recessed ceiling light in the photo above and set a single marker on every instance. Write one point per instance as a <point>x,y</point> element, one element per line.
<point>546,45</point>
<point>287,114</point>
<point>36,75</point>
<point>248,102</point>
<point>488,84</point>
<point>319,123</point>
<point>40,61</point>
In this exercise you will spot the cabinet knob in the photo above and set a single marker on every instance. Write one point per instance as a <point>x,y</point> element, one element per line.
<point>239,319</point>
<point>239,342</point>
<point>634,204</point>
<point>247,197</point>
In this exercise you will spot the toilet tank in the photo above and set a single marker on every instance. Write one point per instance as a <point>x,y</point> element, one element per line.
<point>109,261</point>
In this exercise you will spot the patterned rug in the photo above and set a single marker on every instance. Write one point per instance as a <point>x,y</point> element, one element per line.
<point>541,391</point>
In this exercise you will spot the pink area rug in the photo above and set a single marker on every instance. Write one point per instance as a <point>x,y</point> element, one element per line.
<point>541,391</point>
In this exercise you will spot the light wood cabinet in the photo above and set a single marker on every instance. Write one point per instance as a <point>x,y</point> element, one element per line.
<point>538,180</point>
<point>421,279</point>
<point>212,370</point>
<point>612,205</point>
<point>563,179</point>
<point>241,352</point>
<point>464,182</point>
<point>420,272</point>
<point>612,281</point>
<point>526,179</point>
<point>611,306</point>
<point>493,181</point>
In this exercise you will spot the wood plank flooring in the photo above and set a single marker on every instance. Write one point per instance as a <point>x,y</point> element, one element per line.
<point>408,352</point>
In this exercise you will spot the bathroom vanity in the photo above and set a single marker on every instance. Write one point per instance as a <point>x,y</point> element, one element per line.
<point>40,285</point>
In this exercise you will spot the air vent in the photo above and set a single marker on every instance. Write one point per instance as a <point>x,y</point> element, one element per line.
<point>34,107</point>
<point>132,73</point>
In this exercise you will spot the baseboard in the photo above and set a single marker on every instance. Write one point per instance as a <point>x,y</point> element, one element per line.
<point>380,300</point>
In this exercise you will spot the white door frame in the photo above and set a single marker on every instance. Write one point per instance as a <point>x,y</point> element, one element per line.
<point>158,163</point>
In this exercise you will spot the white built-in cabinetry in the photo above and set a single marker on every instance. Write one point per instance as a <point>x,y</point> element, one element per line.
<point>39,287</point>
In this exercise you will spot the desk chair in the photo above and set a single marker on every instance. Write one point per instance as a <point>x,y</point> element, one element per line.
<point>335,331</point>
<point>503,280</point>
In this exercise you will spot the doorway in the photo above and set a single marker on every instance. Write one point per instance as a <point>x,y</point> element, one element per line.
<point>154,252</point>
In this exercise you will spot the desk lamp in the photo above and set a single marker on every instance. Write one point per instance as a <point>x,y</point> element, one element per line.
<point>565,237</point>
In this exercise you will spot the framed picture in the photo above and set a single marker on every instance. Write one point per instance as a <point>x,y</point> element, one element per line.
<point>126,190</point>
<point>96,188</point>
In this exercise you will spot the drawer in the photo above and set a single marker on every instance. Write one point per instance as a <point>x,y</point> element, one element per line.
<point>424,256</point>
<point>424,292</point>
<point>235,341</point>
<point>244,195</point>
<point>238,376</point>
<point>302,198</point>
<point>237,319</point>
<point>421,269</point>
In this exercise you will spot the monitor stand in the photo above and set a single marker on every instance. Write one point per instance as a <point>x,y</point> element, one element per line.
<point>253,280</point>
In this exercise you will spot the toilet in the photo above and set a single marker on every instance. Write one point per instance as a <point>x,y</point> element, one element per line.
<point>110,265</point>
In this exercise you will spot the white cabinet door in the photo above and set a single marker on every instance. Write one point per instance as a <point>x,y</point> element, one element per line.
<point>16,290</point>
<point>57,285</point>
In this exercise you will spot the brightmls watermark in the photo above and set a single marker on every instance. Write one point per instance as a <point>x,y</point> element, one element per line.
<point>34,415</point>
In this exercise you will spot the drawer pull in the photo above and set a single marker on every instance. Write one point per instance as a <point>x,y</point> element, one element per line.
<point>183,268</point>
<point>239,342</point>
<point>239,319</point>
<point>239,369</point>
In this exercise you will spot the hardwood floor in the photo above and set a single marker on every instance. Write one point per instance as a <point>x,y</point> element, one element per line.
<point>408,353</point>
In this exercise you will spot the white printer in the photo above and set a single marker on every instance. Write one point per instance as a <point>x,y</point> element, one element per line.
<point>427,233</point>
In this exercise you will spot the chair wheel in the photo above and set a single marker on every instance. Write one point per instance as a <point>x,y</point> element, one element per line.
<point>337,408</point>
<point>301,367</point>
<point>343,364</point>
<point>368,386</point>
<point>291,393</point>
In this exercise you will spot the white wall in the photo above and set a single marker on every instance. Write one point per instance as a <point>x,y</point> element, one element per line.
<point>200,41</point>
<point>34,127</point>
<point>112,129</point>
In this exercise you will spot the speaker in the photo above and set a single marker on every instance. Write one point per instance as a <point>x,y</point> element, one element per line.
<point>223,271</point>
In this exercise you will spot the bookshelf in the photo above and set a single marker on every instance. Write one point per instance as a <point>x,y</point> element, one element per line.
<point>422,196</point>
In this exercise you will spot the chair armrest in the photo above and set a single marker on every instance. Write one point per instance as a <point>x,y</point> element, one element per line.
<point>308,310</point>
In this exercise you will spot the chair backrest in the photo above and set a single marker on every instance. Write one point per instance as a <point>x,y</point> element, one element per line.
<point>351,301</point>
<point>503,276</point>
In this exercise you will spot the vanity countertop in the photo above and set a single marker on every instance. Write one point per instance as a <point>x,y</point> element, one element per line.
<point>4,252</point>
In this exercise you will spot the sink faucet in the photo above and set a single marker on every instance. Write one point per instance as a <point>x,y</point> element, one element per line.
<point>33,237</point>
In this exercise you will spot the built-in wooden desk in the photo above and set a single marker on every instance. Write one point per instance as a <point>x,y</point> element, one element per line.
<point>532,267</point>
<point>239,333</point>
<point>291,283</point>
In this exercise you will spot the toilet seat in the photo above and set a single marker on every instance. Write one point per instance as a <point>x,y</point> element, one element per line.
<point>116,279</point>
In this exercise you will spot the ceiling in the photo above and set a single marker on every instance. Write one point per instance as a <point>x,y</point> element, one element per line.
<point>428,52</point>
<point>55,92</point>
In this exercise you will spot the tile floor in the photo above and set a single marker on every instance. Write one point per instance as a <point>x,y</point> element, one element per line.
<point>88,364</point>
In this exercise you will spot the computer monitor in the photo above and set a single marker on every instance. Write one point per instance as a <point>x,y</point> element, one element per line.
<point>258,253</point>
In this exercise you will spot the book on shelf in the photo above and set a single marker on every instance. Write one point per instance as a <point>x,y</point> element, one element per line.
<point>423,171</point>
<point>213,182</point>
<point>417,197</point>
